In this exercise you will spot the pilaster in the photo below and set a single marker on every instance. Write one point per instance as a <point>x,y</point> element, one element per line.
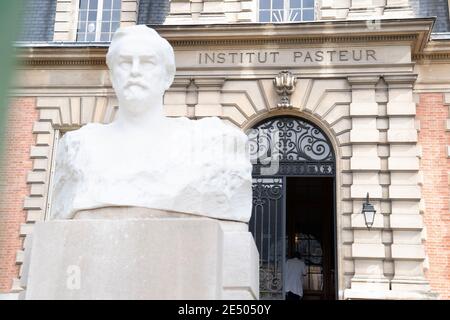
<point>368,250</point>
<point>66,19</point>
<point>129,12</point>
<point>209,97</point>
<point>406,220</point>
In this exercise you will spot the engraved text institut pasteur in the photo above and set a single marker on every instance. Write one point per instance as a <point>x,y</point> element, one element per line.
<point>295,57</point>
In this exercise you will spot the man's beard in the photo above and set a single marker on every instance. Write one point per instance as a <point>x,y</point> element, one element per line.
<point>135,90</point>
<point>135,93</point>
<point>138,97</point>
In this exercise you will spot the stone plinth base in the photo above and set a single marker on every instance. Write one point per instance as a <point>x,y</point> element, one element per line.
<point>162,258</point>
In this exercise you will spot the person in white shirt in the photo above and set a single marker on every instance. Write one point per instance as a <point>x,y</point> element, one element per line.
<point>295,271</point>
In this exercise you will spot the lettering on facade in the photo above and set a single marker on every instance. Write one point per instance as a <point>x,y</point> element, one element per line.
<point>321,56</point>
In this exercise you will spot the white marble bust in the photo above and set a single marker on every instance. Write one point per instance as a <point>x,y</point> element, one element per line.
<point>144,159</point>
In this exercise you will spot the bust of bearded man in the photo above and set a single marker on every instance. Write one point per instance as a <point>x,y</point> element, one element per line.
<point>146,160</point>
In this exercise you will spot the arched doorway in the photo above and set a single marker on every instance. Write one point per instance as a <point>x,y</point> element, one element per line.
<point>294,170</point>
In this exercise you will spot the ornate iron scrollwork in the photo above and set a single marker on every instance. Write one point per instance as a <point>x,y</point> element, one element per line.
<point>299,147</point>
<point>267,227</point>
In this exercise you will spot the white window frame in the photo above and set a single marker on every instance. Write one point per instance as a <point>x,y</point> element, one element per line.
<point>98,23</point>
<point>286,13</point>
<point>448,7</point>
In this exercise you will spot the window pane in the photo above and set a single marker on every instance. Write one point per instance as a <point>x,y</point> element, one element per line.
<point>107,4</point>
<point>308,15</point>
<point>104,36</point>
<point>295,15</point>
<point>308,3</point>
<point>83,4</point>
<point>277,16</point>
<point>264,16</point>
<point>93,4</point>
<point>114,26</point>
<point>92,15</point>
<point>81,36</point>
<point>278,4</point>
<point>90,37</point>
<point>105,27</point>
<point>82,15</point>
<point>264,4</point>
<point>116,15</point>
<point>116,4</point>
<point>82,27</point>
<point>296,4</point>
<point>91,27</point>
<point>106,15</point>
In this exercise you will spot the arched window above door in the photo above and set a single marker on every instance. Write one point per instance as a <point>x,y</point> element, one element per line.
<point>292,146</point>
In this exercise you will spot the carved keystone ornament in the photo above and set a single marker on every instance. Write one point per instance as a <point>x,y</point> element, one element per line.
<point>284,84</point>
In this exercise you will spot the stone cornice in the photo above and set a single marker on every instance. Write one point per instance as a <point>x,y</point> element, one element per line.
<point>61,55</point>
<point>435,51</point>
<point>414,32</point>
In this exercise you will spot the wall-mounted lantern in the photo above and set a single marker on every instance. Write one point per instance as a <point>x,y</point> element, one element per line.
<point>368,211</point>
<point>284,84</point>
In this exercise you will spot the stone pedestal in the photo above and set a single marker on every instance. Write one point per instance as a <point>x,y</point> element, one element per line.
<point>160,258</point>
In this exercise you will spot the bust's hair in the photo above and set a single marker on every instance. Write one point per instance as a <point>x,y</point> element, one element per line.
<point>165,50</point>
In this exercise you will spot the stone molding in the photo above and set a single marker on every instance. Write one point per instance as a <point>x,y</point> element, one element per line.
<point>435,51</point>
<point>414,32</point>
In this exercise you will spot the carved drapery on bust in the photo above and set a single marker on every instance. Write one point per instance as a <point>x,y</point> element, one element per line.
<point>144,159</point>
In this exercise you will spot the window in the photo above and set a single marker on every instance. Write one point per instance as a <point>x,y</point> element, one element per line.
<point>98,20</point>
<point>286,10</point>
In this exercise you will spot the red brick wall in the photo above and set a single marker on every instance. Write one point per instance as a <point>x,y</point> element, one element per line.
<point>435,166</point>
<point>13,187</point>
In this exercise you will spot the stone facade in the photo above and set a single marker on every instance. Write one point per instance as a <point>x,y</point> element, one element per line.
<point>379,90</point>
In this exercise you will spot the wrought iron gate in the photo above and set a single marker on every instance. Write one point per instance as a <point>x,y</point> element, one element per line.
<point>281,147</point>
